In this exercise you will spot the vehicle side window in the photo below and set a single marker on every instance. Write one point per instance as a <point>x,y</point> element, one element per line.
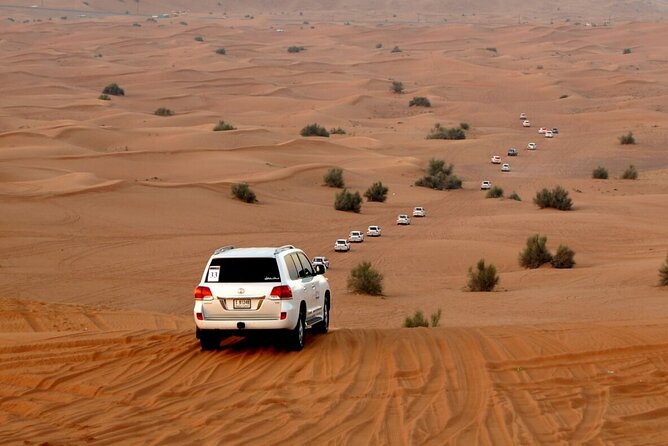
<point>293,270</point>
<point>306,269</point>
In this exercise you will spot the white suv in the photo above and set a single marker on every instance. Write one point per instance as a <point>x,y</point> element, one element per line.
<point>250,290</point>
<point>373,231</point>
<point>419,212</point>
<point>356,237</point>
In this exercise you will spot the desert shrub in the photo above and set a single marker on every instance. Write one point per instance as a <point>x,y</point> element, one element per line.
<point>397,87</point>
<point>334,177</point>
<point>337,131</point>
<point>539,67</point>
<point>464,125</point>
<point>630,173</point>
<point>162,111</point>
<point>556,198</point>
<point>223,126</point>
<point>183,23</point>
<point>199,38</point>
<point>314,130</point>
<point>663,274</point>
<point>491,49</point>
<point>104,97</point>
<point>137,25</point>
<point>396,49</point>
<point>563,96</point>
<point>417,320</point>
<point>220,51</point>
<point>439,176</point>
<point>365,279</point>
<point>296,49</point>
<point>376,192</point>
<point>627,139</point>
<point>348,201</point>
<point>494,192</point>
<point>379,45</point>
<point>535,254</point>
<point>419,101</point>
<point>483,278</point>
<point>440,132</point>
<point>626,51</point>
<point>436,318</point>
<point>600,173</point>
<point>564,257</point>
<point>514,196</point>
<point>114,90</point>
<point>243,192</point>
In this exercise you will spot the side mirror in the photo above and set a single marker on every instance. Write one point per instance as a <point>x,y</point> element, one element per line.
<point>319,269</point>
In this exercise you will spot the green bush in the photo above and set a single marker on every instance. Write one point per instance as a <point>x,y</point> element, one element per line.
<point>223,126</point>
<point>419,101</point>
<point>663,274</point>
<point>199,39</point>
<point>379,45</point>
<point>436,318</point>
<point>535,254</point>
<point>439,176</point>
<point>464,125</point>
<point>418,320</point>
<point>563,258</point>
<point>334,177</point>
<point>514,196</point>
<point>114,90</point>
<point>348,201</point>
<point>396,49</point>
<point>221,51</point>
<point>439,132</point>
<point>314,130</point>
<point>494,192</point>
<point>600,173</point>
<point>337,131</point>
<point>104,97</point>
<point>630,173</point>
<point>563,96</point>
<point>626,51</point>
<point>397,87</point>
<point>376,192</point>
<point>162,111</point>
<point>296,49</point>
<point>491,49</point>
<point>627,139</point>
<point>483,278</point>
<point>365,279</point>
<point>243,192</point>
<point>556,198</point>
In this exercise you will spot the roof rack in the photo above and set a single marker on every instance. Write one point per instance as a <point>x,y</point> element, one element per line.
<point>223,249</point>
<point>283,248</point>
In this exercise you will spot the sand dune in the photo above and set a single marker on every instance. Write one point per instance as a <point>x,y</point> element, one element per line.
<point>108,213</point>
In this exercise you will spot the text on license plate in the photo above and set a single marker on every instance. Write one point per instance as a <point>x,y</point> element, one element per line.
<point>242,304</point>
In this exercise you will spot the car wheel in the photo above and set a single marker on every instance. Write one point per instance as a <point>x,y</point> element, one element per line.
<point>296,336</point>
<point>209,342</point>
<point>323,327</point>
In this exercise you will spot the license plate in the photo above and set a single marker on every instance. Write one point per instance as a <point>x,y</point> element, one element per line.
<point>242,304</point>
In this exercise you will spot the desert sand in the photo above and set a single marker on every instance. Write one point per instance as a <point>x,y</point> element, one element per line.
<point>108,214</point>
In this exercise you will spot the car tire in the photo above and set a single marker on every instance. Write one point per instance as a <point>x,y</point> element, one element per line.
<point>208,342</point>
<point>323,327</point>
<point>297,335</point>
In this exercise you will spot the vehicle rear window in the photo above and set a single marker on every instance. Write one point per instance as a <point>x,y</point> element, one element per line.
<point>243,270</point>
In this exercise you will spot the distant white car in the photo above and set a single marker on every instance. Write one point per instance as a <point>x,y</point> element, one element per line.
<point>526,123</point>
<point>403,219</point>
<point>356,237</point>
<point>512,151</point>
<point>485,185</point>
<point>549,134</point>
<point>419,212</point>
<point>523,116</point>
<point>373,231</point>
<point>324,261</point>
<point>496,159</point>
<point>342,245</point>
<point>542,130</point>
<point>532,146</point>
<point>505,167</point>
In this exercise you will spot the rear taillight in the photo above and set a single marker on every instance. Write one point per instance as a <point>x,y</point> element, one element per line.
<point>202,292</point>
<point>282,292</point>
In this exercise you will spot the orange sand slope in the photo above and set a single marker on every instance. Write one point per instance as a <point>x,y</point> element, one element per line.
<point>566,384</point>
<point>109,212</point>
